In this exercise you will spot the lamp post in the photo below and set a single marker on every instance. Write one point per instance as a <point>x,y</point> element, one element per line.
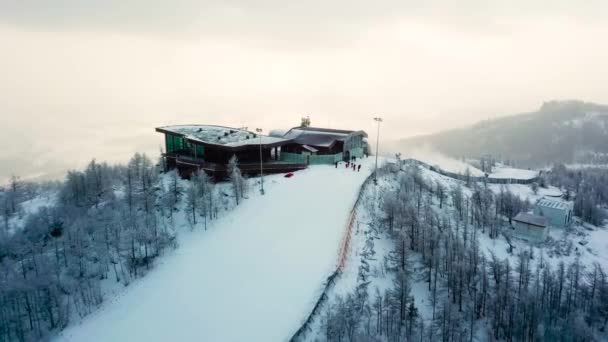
<point>378,120</point>
<point>259,131</point>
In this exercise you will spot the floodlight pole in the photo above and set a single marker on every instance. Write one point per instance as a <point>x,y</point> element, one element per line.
<point>259,131</point>
<point>378,120</point>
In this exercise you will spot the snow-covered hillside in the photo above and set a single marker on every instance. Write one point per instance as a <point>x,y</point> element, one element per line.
<point>555,133</point>
<point>365,298</point>
<point>442,161</point>
<point>253,276</point>
<point>593,245</point>
<point>502,171</point>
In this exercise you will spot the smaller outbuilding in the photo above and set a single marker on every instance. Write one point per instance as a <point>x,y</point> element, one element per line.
<point>557,212</point>
<point>314,145</point>
<point>531,227</point>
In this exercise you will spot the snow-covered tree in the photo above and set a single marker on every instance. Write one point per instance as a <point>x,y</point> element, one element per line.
<point>239,183</point>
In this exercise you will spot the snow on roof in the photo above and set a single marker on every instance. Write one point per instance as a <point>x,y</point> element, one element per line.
<point>513,173</point>
<point>531,219</point>
<point>323,137</point>
<point>310,148</point>
<point>554,204</point>
<point>220,135</point>
<point>325,130</point>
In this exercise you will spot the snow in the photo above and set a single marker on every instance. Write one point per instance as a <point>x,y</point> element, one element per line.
<point>564,243</point>
<point>220,135</point>
<point>256,141</point>
<point>525,191</point>
<point>589,117</point>
<point>29,207</point>
<point>253,276</point>
<point>586,166</point>
<point>363,232</point>
<point>443,162</point>
<point>446,163</point>
<point>512,173</point>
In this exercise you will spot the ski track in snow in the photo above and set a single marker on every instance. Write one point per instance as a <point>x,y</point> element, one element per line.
<point>253,276</point>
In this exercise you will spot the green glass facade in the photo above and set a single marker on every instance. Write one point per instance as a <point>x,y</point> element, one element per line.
<point>175,143</point>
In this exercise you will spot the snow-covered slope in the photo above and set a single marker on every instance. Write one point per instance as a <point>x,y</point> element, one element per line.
<point>253,276</point>
<point>442,161</point>
<point>502,171</point>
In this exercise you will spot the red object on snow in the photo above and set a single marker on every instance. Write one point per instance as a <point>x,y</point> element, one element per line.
<point>289,175</point>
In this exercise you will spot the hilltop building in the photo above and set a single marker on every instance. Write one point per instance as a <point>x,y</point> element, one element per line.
<point>209,148</point>
<point>557,212</point>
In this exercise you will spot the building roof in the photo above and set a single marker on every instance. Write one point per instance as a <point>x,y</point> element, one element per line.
<point>226,137</point>
<point>319,137</point>
<point>530,219</point>
<point>310,148</point>
<point>554,204</point>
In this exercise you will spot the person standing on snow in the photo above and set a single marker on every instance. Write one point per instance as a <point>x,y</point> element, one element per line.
<point>359,168</point>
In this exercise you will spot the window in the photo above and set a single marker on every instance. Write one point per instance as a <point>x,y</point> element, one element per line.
<point>174,143</point>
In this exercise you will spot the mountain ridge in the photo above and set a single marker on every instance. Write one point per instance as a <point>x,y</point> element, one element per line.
<point>559,131</point>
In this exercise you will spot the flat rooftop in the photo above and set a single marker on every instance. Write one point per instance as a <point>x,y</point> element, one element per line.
<point>555,204</point>
<point>219,135</point>
<point>534,220</point>
<point>320,137</point>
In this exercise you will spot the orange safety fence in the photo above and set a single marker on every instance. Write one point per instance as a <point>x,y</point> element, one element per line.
<point>342,258</point>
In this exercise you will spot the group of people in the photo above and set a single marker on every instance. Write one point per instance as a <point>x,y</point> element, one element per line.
<point>351,164</point>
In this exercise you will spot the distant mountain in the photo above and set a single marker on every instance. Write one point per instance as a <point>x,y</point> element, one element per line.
<point>561,131</point>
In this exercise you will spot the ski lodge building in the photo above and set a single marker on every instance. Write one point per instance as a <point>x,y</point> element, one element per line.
<point>209,148</point>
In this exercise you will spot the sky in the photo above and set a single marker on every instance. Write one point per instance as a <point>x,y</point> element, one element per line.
<point>91,79</point>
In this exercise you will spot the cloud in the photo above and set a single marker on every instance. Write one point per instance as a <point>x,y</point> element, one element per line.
<point>83,79</point>
<point>305,22</point>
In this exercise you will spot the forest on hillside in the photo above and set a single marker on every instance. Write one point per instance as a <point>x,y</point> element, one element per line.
<point>107,225</point>
<point>474,294</point>
<point>101,227</point>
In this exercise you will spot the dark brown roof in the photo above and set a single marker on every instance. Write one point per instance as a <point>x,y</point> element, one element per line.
<point>320,137</point>
<point>530,219</point>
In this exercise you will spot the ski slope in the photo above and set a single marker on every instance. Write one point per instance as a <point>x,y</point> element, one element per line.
<point>253,276</point>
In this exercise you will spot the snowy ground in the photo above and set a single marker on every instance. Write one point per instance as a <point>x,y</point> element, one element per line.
<point>29,207</point>
<point>502,171</point>
<point>586,166</point>
<point>564,245</point>
<point>525,191</point>
<point>443,162</point>
<point>368,239</point>
<point>253,276</point>
<point>449,164</point>
<point>588,243</point>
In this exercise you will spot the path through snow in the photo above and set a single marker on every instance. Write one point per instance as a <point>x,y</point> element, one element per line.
<point>253,276</point>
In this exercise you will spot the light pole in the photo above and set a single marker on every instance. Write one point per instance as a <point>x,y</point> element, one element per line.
<point>378,120</point>
<point>259,131</point>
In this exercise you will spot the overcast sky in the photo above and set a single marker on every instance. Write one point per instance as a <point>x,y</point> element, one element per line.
<point>83,79</point>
